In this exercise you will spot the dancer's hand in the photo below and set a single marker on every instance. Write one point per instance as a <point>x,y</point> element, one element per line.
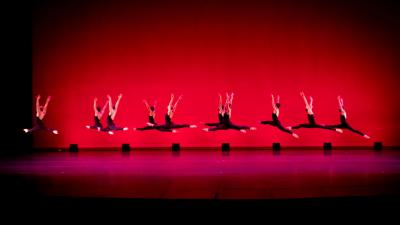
<point>37,96</point>
<point>48,98</point>
<point>109,97</point>
<point>120,96</point>
<point>95,99</point>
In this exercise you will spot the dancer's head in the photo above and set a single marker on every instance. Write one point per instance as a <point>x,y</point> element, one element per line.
<point>278,105</point>
<point>152,108</point>
<point>98,109</point>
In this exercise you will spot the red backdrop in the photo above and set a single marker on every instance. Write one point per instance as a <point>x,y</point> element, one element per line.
<point>150,49</point>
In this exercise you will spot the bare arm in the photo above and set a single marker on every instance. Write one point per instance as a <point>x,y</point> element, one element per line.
<point>177,101</point>
<point>220,103</point>
<point>110,108</point>
<point>104,109</point>
<point>117,103</point>
<point>147,104</point>
<point>170,101</point>
<point>341,102</point>
<point>305,99</point>
<point>46,104</point>
<point>37,105</point>
<point>273,101</point>
<point>95,105</point>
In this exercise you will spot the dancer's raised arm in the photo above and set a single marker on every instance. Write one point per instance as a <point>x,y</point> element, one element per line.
<point>45,105</point>
<point>117,103</point>
<point>95,106</point>
<point>110,107</point>
<point>273,101</point>
<point>304,99</point>
<point>103,109</point>
<point>176,103</point>
<point>147,104</point>
<point>37,105</point>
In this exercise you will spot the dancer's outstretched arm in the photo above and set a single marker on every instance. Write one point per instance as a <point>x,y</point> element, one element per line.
<point>273,101</point>
<point>308,105</point>
<point>304,99</point>
<point>170,102</point>
<point>176,103</point>
<point>110,108</point>
<point>147,104</point>
<point>341,106</point>
<point>117,103</point>
<point>95,106</point>
<point>45,105</point>
<point>37,105</point>
<point>103,110</point>
<point>340,100</point>
<point>220,105</point>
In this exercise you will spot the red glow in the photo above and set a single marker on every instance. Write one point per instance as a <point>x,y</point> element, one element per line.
<point>147,51</point>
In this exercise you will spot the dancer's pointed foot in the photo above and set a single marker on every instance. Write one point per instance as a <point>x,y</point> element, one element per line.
<point>253,128</point>
<point>205,129</point>
<point>295,135</point>
<point>110,133</point>
<point>87,126</point>
<point>55,132</point>
<point>366,136</point>
<point>125,129</point>
<point>150,124</point>
<point>339,130</point>
<point>26,130</point>
<point>174,131</point>
<point>98,129</point>
<point>289,128</point>
<point>193,126</point>
<point>243,130</point>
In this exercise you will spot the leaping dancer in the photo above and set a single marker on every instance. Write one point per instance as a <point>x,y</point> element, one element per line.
<point>111,127</point>
<point>169,125</point>
<point>220,113</point>
<point>98,114</point>
<point>40,113</point>
<point>275,114</point>
<point>311,120</point>
<point>226,118</point>
<point>151,124</point>
<point>343,120</point>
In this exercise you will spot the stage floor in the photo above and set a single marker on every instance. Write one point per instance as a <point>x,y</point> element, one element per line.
<point>203,174</point>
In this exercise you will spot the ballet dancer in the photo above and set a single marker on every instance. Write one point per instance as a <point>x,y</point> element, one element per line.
<point>220,113</point>
<point>226,119</point>
<point>275,114</point>
<point>40,113</point>
<point>98,114</point>
<point>343,120</point>
<point>111,127</point>
<point>311,119</point>
<point>151,124</point>
<point>170,126</point>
